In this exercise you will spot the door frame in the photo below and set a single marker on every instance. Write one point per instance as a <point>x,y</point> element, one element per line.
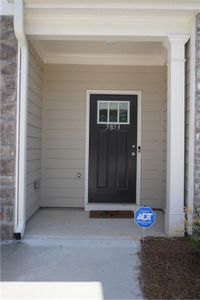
<point>111,206</point>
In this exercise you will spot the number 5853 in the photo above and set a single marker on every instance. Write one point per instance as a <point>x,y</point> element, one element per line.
<point>112,126</point>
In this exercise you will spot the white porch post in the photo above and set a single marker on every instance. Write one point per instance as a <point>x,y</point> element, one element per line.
<point>174,213</point>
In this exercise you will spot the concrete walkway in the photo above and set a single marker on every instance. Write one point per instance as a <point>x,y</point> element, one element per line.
<point>65,246</point>
<point>112,264</point>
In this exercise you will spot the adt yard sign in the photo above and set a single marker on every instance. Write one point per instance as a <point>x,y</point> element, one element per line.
<point>144,217</point>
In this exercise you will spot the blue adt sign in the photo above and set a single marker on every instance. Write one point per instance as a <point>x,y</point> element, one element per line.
<point>144,217</point>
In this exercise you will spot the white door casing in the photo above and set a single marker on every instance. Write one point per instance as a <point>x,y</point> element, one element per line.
<point>95,206</point>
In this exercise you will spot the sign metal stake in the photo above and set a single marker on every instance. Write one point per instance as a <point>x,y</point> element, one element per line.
<point>143,233</point>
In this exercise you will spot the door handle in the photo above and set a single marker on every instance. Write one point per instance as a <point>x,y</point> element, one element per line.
<point>138,147</point>
<point>133,153</point>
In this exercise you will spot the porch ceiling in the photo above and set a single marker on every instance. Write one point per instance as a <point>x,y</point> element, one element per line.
<point>108,51</point>
<point>106,47</point>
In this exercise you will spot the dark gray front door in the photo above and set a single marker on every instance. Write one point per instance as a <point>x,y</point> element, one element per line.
<point>113,148</point>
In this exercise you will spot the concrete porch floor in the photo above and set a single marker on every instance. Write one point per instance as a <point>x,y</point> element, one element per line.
<point>92,258</point>
<point>75,223</point>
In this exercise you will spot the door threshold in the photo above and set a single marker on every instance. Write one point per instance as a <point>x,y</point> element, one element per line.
<point>109,207</point>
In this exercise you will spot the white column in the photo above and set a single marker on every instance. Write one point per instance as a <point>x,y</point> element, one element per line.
<point>174,213</point>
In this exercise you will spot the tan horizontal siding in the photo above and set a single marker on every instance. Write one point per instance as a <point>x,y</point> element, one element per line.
<point>77,77</point>
<point>64,123</point>
<point>102,69</point>
<point>34,127</point>
<point>80,85</point>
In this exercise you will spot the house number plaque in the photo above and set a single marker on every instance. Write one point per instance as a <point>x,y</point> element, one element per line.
<point>112,127</point>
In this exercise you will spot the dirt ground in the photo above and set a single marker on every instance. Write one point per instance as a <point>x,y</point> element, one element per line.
<point>170,269</point>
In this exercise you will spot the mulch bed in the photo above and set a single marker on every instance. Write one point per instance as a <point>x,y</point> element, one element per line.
<point>170,269</point>
<point>111,214</point>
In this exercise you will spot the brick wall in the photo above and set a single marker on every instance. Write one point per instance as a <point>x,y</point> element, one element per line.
<point>197,119</point>
<point>8,89</point>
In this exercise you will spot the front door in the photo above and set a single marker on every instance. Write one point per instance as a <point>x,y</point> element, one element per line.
<point>113,148</point>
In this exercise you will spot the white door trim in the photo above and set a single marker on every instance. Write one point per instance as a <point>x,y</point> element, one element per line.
<point>103,206</point>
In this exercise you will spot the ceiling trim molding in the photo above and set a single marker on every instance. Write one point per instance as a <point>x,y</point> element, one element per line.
<point>104,59</point>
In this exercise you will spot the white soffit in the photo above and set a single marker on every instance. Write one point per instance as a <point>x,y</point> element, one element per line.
<point>48,19</point>
<point>103,53</point>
